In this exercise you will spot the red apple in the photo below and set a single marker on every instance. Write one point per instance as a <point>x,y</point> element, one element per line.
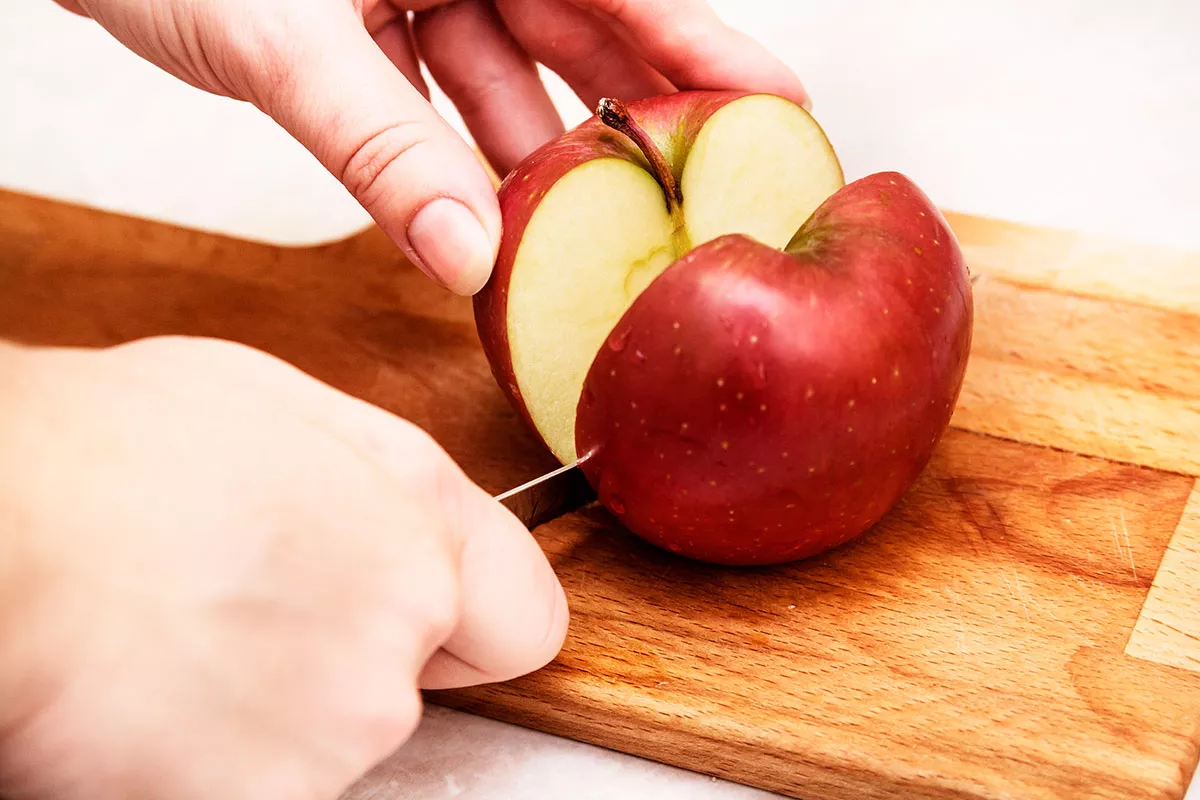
<point>744,393</point>
<point>756,406</point>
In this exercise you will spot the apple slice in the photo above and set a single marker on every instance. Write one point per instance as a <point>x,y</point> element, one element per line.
<point>588,226</point>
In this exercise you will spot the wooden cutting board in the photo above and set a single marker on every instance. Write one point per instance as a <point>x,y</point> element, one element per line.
<point>1026,624</point>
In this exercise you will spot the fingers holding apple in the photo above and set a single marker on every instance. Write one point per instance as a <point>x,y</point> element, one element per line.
<point>757,360</point>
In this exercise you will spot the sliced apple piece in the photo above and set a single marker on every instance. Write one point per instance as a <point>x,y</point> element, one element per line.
<point>598,238</point>
<point>758,167</point>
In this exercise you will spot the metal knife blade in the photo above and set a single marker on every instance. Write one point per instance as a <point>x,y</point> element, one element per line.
<point>548,496</point>
<point>539,480</point>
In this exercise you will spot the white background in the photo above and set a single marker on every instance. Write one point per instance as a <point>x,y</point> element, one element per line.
<point>1075,113</point>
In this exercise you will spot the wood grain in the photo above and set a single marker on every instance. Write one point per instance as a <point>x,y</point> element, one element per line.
<point>1095,376</point>
<point>1168,629</point>
<point>970,647</point>
<point>1071,262</point>
<point>979,643</point>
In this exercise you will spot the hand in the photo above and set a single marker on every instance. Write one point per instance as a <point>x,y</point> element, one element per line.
<point>342,76</point>
<point>222,578</point>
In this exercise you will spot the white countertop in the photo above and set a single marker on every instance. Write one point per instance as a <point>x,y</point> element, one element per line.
<point>1069,113</point>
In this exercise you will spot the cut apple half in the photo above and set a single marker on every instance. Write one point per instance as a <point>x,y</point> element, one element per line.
<point>610,224</point>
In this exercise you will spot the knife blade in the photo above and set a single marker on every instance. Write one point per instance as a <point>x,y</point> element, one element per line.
<point>549,496</point>
<point>516,490</point>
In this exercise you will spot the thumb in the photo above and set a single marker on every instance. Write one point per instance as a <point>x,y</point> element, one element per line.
<point>513,613</point>
<point>344,100</point>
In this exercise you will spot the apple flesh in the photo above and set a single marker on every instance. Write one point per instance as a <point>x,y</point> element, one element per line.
<point>755,359</point>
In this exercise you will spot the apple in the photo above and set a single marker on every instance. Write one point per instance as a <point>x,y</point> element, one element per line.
<point>753,360</point>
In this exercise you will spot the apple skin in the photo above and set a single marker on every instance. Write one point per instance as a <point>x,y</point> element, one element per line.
<point>673,121</point>
<point>755,407</point>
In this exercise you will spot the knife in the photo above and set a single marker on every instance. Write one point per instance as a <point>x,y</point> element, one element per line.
<point>516,490</point>
<point>561,491</point>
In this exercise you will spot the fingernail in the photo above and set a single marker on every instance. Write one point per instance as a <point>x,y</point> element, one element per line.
<point>451,246</point>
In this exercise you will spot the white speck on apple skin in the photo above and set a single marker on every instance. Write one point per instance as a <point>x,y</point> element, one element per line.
<point>784,454</point>
<point>920,213</point>
<point>762,406</point>
<point>722,407</point>
<point>812,470</point>
<point>812,299</point>
<point>740,395</point>
<point>937,309</point>
<point>936,243</point>
<point>678,350</point>
<point>874,381</point>
<point>850,429</point>
<point>720,381</point>
<point>850,404</point>
<point>761,470</point>
<point>917,250</point>
<point>675,325</point>
<point>753,338</point>
<point>683,429</point>
<point>712,483</point>
<point>885,312</point>
<point>724,445</point>
<point>809,392</point>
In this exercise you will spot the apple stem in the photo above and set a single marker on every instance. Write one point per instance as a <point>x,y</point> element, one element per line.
<point>615,115</point>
